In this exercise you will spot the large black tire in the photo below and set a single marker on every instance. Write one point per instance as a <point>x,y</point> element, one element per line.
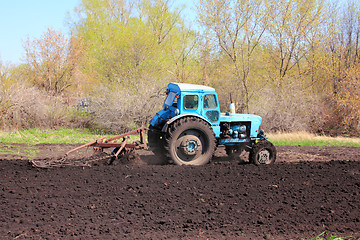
<point>190,141</point>
<point>263,152</point>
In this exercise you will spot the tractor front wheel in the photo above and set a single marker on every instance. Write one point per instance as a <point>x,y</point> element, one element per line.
<point>190,141</point>
<point>263,152</point>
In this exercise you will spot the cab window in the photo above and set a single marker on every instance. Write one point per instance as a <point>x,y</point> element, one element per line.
<point>191,102</point>
<point>210,101</point>
<point>170,98</point>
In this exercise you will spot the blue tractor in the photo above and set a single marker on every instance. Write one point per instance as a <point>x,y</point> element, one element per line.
<point>190,127</point>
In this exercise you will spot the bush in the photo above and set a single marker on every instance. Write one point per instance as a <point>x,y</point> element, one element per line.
<point>292,109</point>
<point>27,107</point>
<point>117,109</point>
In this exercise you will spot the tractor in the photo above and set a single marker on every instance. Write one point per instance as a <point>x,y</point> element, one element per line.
<point>186,132</point>
<point>190,127</point>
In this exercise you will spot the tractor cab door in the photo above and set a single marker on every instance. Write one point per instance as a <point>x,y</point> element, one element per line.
<point>211,108</point>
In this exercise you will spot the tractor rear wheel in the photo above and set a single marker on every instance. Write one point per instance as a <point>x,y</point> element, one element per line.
<point>263,152</point>
<point>190,141</point>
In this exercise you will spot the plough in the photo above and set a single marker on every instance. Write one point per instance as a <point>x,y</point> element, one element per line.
<point>122,147</point>
<point>119,149</point>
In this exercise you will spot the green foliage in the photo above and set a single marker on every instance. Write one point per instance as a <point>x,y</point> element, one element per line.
<point>126,47</point>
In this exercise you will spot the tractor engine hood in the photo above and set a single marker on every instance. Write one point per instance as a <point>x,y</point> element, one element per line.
<point>237,117</point>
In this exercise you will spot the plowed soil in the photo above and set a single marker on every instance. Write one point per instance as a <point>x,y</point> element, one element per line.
<point>309,190</point>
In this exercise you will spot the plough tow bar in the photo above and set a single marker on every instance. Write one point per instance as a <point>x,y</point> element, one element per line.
<point>124,146</point>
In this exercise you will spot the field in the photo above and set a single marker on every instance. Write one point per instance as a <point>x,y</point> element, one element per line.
<point>308,191</point>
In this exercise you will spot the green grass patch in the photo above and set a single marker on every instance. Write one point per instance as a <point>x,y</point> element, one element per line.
<point>76,136</point>
<point>308,139</point>
<point>51,136</point>
<point>326,236</point>
<point>19,150</point>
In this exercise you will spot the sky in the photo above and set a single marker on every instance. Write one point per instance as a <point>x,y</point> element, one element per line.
<point>23,19</point>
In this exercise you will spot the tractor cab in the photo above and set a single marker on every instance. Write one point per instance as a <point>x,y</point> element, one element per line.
<point>189,99</point>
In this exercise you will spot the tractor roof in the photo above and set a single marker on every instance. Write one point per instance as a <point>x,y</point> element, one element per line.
<point>186,87</point>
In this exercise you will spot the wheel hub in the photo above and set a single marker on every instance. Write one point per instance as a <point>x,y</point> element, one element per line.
<point>190,146</point>
<point>264,156</point>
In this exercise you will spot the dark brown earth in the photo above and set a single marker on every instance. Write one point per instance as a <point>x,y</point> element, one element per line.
<point>309,190</point>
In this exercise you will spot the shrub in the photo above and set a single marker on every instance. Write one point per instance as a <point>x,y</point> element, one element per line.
<point>116,108</point>
<point>27,107</point>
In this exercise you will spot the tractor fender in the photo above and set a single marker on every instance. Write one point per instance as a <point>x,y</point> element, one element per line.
<point>166,125</point>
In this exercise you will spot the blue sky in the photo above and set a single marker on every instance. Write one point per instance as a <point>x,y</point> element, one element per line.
<point>23,19</point>
<point>20,19</point>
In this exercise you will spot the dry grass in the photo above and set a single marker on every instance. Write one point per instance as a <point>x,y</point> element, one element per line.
<point>308,139</point>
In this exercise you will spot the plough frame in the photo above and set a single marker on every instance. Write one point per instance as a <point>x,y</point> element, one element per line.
<point>102,142</point>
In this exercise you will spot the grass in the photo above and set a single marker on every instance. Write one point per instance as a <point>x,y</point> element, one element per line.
<point>22,143</point>
<point>18,150</point>
<point>51,136</point>
<point>309,139</point>
<point>325,236</point>
<point>75,136</point>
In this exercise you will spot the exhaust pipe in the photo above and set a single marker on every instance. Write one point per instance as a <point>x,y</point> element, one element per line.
<point>232,105</point>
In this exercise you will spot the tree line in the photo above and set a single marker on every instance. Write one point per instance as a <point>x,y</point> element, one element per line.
<point>294,62</point>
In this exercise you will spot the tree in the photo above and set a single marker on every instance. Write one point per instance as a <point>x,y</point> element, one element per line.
<point>237,28</point>
<point>6,84</point>
<point>342,67</point>
<point>290,34</point>
<point>50,62</point>
<point>149,41</point>
<point>158,15</point>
